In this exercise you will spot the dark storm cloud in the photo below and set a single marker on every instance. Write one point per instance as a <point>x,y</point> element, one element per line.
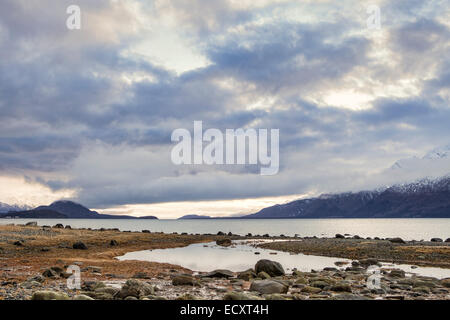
<point>66,107</point>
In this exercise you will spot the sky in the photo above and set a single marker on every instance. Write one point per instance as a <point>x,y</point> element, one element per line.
<point>88,114</point>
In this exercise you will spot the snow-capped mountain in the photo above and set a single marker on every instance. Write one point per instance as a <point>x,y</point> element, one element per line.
<point>425,198</point>
<point>439,153</point>
<point>4,207</point>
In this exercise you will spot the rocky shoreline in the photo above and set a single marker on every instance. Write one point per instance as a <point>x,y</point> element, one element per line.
<point>34,262</point>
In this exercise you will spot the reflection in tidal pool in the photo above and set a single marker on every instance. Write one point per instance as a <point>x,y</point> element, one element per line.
<point>243,255</point>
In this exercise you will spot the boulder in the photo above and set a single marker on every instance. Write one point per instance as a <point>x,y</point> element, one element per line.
<point>79,246</point>
<point>184,280</point>
<point>436,240</point>
<point>113,243</point>
<point>263,275</point>
<point>50,273</point>
<point>31,224</point>
<point>220,273</point>
<point>341,287</point>
<point>141,275</point>
<point>135,288</point>
<point>447,240</point>
<point>396,240</point>
<point>445,282</point>
<point>146,231</point>
<point>240,296</point>
<point>224,242</point>
<point>349,296</point>
<point>58,226</point>
<point>49,295</point>
<point>339,236</point>
<point>397,273</point>
<point>268,287</point>
<point>82,297</point>
<point>247,275</point>
<point>309,289</point>
<point>272,268</point>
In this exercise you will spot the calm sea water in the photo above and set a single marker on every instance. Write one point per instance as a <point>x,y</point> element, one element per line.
<point>408,229</point>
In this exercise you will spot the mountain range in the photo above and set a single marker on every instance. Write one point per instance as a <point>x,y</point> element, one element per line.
<point>423,199</point>
<point>65,209</point>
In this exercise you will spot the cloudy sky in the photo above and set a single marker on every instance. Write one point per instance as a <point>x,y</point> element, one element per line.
<point>88,114</point>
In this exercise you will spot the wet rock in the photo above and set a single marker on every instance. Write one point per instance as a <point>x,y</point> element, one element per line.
<point>68,227</point>
<point>146,231</point>
<point>339,236</point>
<point>247,275</point>
<point>82,297</point>
<point>436,240</point>
<point>187,296</point>
<point>49,295</point>
<point>275,296</point>
<point>448,240</point>
<point>79,246</point>
<point>58,226</point>
<point>184,280</point>
<point>135,288</point>
<point>18,243</point>
<point>320,284</point>
<point>349,296</point>
<point>309,289</point>
<point>220,233</point>
<point>37,278</point>
<point>425,290</point>
<point>301,280</point>
<point>330,269</point>
<point>396,240</point>
<point>445,282</point>
<point>272,268</point>
<point>397,273</point>
<point>30,284</point>
<point>223,242</point>
<point>113,243</point>
<point>50,273</point>
<point>141,275</point>
<point>220,273</point>
<point>105,293</point>
<point>264,275</point>
<point>268,286</point>
<point>368,262</point>
<point>341,287</point>
<point>240,296</point>
<point>92,285</point>
<point>31,224</point>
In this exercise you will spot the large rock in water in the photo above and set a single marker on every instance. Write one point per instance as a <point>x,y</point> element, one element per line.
<point>219,274</point>
<point>135,288</point>
<point>272,268</point>
<point>224,242</point>
<point>268,286</point>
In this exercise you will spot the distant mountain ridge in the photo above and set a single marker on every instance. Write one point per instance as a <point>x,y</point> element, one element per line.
<point>193,216</point>
<point>423,199</point>
<point>66,209</point>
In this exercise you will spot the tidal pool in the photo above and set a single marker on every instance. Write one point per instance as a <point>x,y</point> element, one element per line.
<point>242,255</point>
